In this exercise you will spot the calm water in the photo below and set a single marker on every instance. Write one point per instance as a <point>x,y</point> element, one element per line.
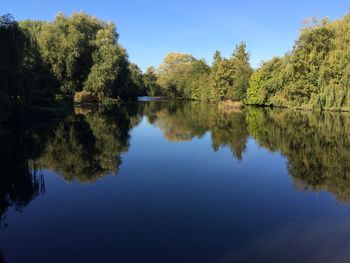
<point>177,182</point>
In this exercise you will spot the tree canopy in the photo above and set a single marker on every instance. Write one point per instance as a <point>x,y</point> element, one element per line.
<point>314,75</point>
<point>43,60</point>
<point>183,76</point>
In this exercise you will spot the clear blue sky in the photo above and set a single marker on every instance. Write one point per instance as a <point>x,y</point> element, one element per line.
<point>149,29</point>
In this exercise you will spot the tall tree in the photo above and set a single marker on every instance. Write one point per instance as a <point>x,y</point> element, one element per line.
<point>230,77</point>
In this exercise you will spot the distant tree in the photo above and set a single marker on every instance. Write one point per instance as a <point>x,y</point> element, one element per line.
<point>217,58</point>
<point>172,60</point>
<point>181,75</point>
<point>137,79</point>
<point>150,82</point>
<point>265,82</point>
<point>230,77</point>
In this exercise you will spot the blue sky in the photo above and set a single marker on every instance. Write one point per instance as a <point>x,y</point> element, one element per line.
<point>149,29</point>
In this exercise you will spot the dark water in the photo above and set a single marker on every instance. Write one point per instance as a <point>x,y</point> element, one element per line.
<point>177,182</point>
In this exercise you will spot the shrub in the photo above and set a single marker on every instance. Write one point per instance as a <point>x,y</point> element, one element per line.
<point>85,97</point>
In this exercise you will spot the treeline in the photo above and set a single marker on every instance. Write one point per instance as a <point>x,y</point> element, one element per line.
<point>77,55</point>
<point>314,75</point>
<point>42,62</point>
<point>183,76</point>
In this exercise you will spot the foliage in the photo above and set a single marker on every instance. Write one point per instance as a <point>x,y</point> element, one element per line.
<point>230,77</point>
<point>183,76</point>
<point>107,62</point>
<point>85,97</point>
<point>15,80</point>
<point>40,61</point>
<point>265,81</point>
<point>137,83</point>
<point>150,82</point>
<point>314,75</point>
<point>229,105</point>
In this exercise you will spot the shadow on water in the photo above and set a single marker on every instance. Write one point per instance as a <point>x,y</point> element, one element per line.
<point>88,145</point>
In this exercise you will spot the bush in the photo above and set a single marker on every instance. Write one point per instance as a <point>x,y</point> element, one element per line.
<point>85,97</point>
<point>230,106</point>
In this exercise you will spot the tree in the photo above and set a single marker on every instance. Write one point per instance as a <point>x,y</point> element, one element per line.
<point>150,82</point>
<point>216,59</point>
<point>16,81</point>
<point>315,74</point>
<point>137,80</point>
<point>181,76</point>
<point>81,52</point>
<point>230,77</point>
<point>67,45</point>
<point>265,82</point>
<point>108,60</point>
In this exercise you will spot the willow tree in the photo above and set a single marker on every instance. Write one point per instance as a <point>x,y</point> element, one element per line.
<point>314,75</point>
<point>14,80</point>
<point>83,53</point>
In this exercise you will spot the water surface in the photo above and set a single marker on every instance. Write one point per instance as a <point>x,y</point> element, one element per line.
<point>164,181</point>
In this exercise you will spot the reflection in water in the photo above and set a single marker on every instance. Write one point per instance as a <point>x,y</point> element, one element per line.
<point>83,147</point>
<point>20,181</point>
<point>90,144</point>
<point>184,121</point>
<point>317,146</point>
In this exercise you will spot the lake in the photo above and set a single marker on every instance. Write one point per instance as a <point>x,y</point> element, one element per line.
<point>163,181</point>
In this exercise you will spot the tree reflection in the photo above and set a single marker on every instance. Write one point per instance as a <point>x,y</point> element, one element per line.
<point>20,181</point>
<point>182,121</point>
<point>230,130</point>
<point>88,146</point>
<point>317,146</point>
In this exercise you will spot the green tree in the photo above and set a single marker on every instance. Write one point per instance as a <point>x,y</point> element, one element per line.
<point>314,75</point>
<point>182,76</point>
<point>107,62</point>
<point>137,80</point>
<point>150,81</point>
<point>82,52</point>
<point>17,81</point>
<point>230,77</point>
<point>265,82</point>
